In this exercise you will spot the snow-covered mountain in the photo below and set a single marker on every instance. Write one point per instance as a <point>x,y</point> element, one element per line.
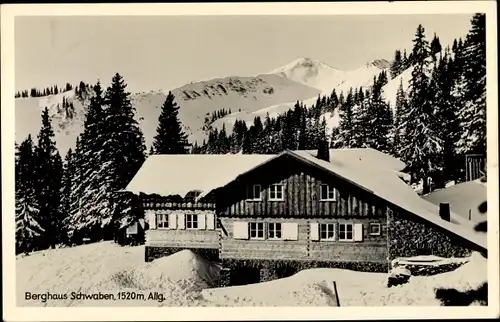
<point>321,76</point>
<point>247,97</point>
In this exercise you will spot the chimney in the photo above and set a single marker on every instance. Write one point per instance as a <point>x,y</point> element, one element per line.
<point>444,211</point>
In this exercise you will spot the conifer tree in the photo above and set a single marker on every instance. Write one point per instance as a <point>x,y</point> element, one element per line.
<point>323,145</point>
<point>473,115</point>
<point>420,123</point>
<point>170,138</point>
<point>48,183</point>
<point>28,228</point>
<point>446,114</point>
<point>126,152</point>
<point>397,64</point>
<point>361,123</point>
<point>399,136</point>
<point>379,118</point>
<point>344,139</point>
<point>435,46</point>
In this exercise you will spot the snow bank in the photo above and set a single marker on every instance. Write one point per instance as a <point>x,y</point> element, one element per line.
<point>107,268</point>
<point>314,287</point>
<point>184,279</point>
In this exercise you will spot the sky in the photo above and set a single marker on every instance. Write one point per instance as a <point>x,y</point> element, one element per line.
<point>165,52</point>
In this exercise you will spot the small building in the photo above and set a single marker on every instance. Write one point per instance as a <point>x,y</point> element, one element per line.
<point>269,216</point>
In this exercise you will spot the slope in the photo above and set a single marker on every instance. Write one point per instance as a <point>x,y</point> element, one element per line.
<point>197,100</point>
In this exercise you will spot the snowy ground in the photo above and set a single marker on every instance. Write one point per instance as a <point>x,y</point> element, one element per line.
<point>185,279</point>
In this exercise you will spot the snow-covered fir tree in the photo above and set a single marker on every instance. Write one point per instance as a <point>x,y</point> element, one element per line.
<point>397,64</point>
<point>423,141</point>
<point>28,228</point>
<point>399,137</point>
<point>473,115</point>
<point>361,122</point>
<point>170,138</point>
<point>446,114</point>
<point>323,145</point>
<point>379,118</point>
<point>126,151</point>
<point>435,46</point>
<point>48,186</point>
<point>344,139</point>
<point>93,183</point>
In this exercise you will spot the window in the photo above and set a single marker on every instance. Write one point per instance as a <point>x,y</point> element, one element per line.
<point>345,232</point>
<point>327,231</point>
<point>256,230</point>
<point>254,192</point>
<point>191,221</point>
<point>375,229</point>
<point>276,192</point>
<point>274,231</point>
<point>327,193</point>
<point>162,220</point>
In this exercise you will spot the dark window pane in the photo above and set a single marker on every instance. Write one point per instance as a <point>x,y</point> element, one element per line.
<point>278,234</point>
<point>349,235</point>
<point>323,192</point>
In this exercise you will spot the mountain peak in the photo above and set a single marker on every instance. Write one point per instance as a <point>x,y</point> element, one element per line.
<point>301,63</point>
<point>380,63</point>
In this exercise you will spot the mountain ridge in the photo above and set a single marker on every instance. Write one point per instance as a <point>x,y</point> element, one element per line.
<point>246,96</point>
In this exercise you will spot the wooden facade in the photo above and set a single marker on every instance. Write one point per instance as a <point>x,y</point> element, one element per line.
<point>302,205</point>
<point>302,187</point>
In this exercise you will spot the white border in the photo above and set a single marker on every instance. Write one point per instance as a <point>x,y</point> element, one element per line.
<point>12,313</point>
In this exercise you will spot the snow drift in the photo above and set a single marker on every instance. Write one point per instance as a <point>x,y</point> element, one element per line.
<point>186,279</point>
<point>108,268</point>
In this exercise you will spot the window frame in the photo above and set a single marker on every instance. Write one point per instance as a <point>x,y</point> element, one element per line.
<point>329,188</point>
<point>271,190</point>
<point>158,221</point>
<point>192,221</point>
<point>274,229</point>
<point>375,224</point>
<point>252,197</point>
<point>321,225</point>
<point>250,229</point>
<point>345,224</point>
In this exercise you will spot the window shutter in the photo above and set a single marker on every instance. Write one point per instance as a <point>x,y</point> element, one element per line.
<point>358,232</point>
<point>290,231</point>
<point>151,216</point>
<point>240,230</point>
<point>314,231</point>
<point>210,221</point>
<point>172,221</point>
<point>181,221</point>
<point>201,221</point>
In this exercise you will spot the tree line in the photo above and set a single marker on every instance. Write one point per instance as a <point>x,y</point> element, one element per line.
<point>36,92</point>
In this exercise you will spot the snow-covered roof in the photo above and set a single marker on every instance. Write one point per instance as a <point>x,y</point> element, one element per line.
<point>463,197</point>
<point>386,185</point>
<point>167,175</point>
<point>367,157</point>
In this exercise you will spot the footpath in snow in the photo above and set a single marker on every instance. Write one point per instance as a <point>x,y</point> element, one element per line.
<point>186,279</point>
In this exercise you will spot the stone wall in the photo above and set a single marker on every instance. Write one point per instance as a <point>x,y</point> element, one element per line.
<point>273,269</point>
<point>153,252</point>
<point>409,235</point>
